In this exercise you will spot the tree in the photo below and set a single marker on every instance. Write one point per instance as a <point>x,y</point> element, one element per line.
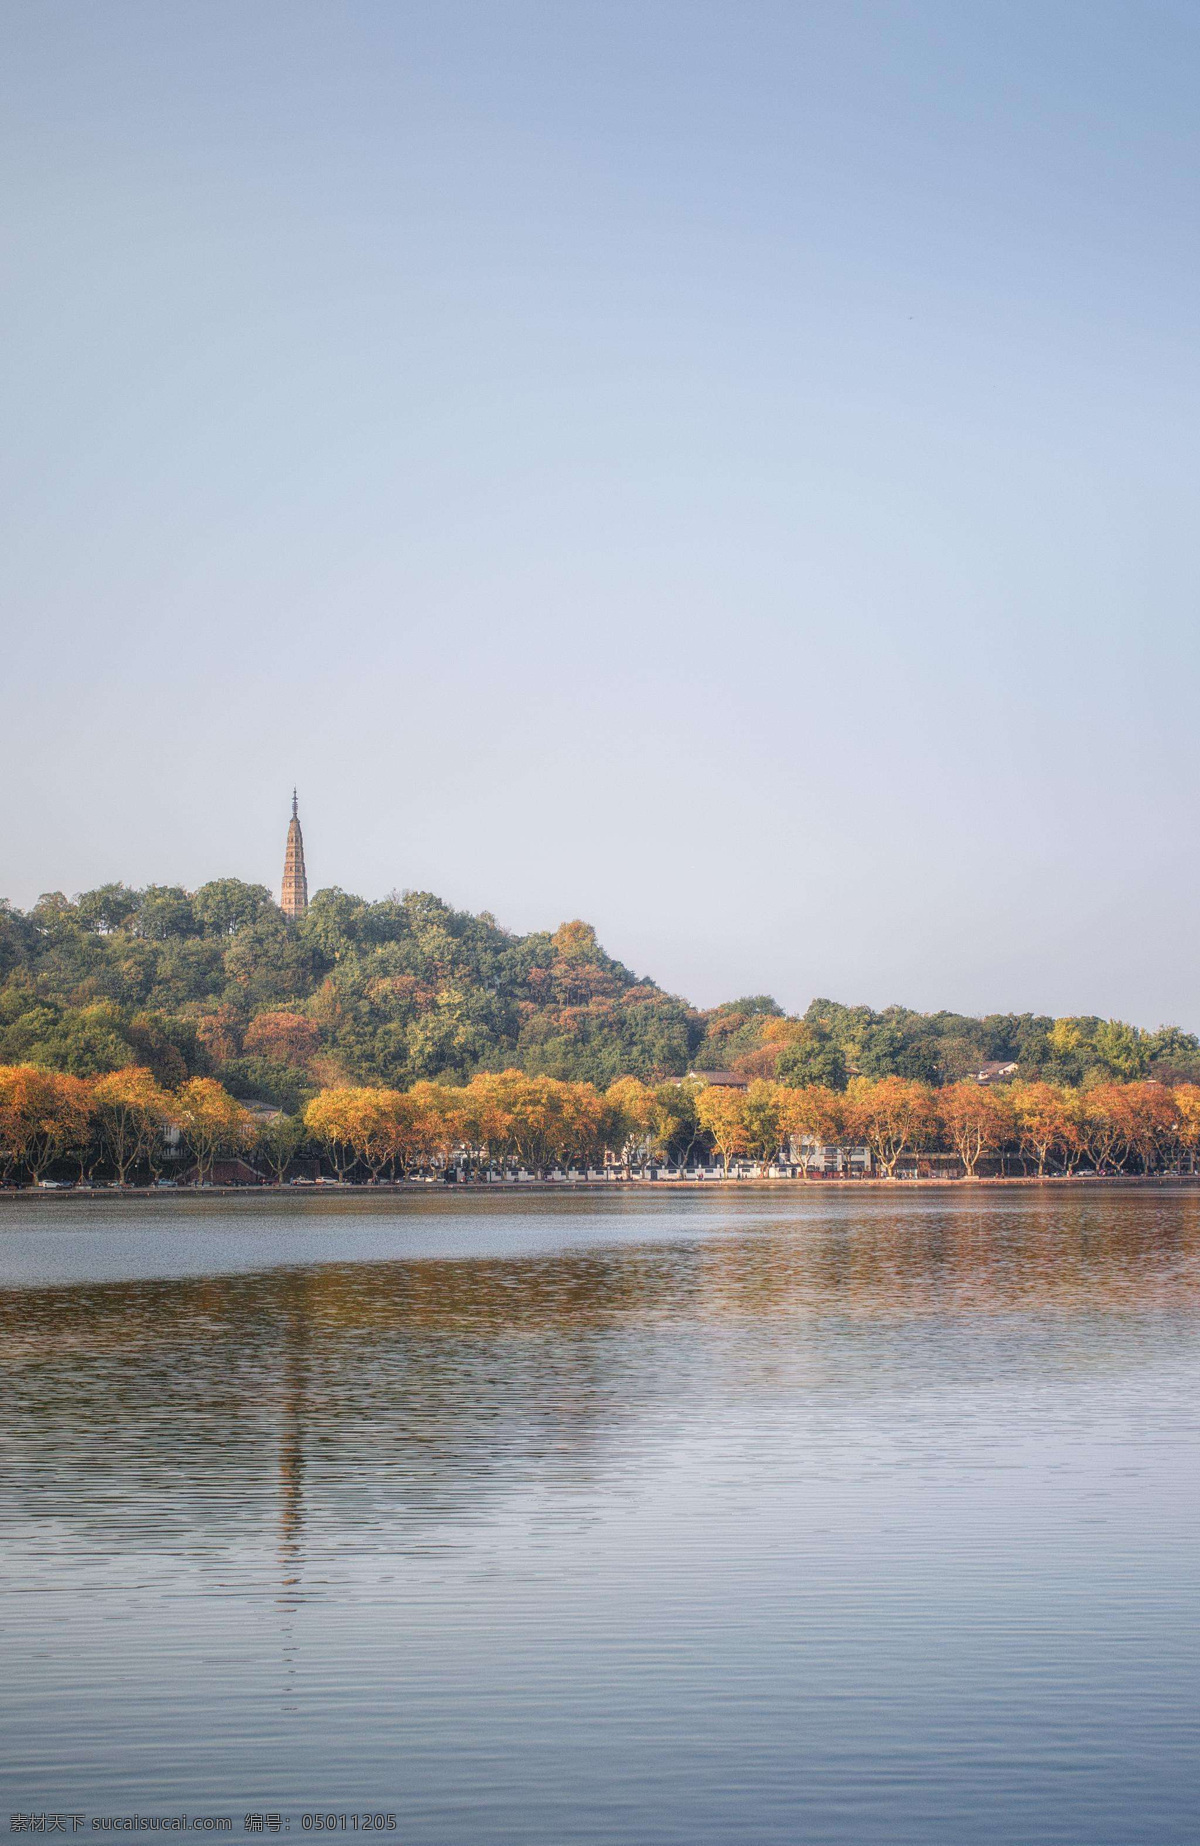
<point>1105,1126</point>
<point>441,1118</point>
<point>1048,1122</point>
<point>581,1126</point>
<point>722,1114</point>
<point>277,1140</point>
<point>890,1114</point>
<point>212,1121</point>
<point>813,1057</point>
<point>164,911</point>
<point>813,1117</point>
<point>371,1124</point>
<point>43,1114</point>
<point>630,1120</point>
<point>1153,1123</point>
<point>1120,1048</point>
<point>131,1112</point>
<point>1118,1120</point>
<point>225,905</point>
<point>538,1124</point>
<point>288,1037</point>
<point>976,1120</point>
<point>675,1122</point>
<point>487,1118</point>
<point>109,908</point>
<point>410,1131</point>
<point>764,1121</point>
<point>332,1118</point>
<point>1187,1110</point>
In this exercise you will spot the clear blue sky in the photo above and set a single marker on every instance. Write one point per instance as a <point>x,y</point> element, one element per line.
<point>727,471</point>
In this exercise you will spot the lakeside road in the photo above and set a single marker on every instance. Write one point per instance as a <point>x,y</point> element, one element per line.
<point>1072,1182</point>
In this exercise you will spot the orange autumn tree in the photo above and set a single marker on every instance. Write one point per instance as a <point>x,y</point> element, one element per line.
<point>1105,1126</point>
<point>1049,1122</point>
<point>132,1110</point>
<point>1187,1111</point>
<point>813,1118</point>
<point>1153,1119</point>
<point>890,1115</point>
<point>976,1120</point>
<point>288,1037</point>
<point>43,1115</point>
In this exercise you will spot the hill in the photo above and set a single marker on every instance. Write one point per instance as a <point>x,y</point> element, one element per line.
<point>219,982</point>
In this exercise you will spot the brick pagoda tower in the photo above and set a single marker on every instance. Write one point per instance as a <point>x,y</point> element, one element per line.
<point>293,899</point>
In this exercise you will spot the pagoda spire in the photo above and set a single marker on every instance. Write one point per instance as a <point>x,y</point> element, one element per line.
<point>293,899</point>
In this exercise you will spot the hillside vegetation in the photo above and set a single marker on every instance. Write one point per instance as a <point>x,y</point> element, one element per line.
<point>217,982</point>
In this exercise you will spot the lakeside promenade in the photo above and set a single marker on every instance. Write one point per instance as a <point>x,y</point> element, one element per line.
<point>1072,1182</point>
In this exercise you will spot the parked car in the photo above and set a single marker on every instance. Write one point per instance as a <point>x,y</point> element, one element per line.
<point>55,1185</point>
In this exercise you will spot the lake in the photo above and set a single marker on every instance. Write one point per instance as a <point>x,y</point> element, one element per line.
<point>795,1516</point>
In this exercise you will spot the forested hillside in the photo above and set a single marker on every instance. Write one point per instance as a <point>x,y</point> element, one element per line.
<point>219,982</point>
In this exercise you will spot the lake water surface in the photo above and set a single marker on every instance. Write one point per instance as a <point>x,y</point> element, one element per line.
<point>784,1517</point>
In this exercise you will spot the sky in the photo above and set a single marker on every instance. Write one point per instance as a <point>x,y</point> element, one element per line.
<point>724,471</point>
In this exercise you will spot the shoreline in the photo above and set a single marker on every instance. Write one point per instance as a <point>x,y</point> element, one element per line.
<point>500,1188</point>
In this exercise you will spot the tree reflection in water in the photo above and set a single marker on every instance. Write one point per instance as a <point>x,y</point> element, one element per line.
<point>382,1403</point>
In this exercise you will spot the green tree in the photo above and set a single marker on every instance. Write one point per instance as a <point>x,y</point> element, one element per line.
<point>165,911</point>
<point>277,1141</point>
<point>226,905</point>
<point>813,1057</point>
<point>109,908</point>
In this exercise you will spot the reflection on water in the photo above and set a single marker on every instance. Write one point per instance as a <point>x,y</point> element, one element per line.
<point>595,1519</point>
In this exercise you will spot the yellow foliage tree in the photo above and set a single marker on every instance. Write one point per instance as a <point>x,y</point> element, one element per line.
<point>332,1119</point>
<point>722,1113</point>
<point>765,1120</point>
<point>213,1122</point>
<point>630,1120</point>
<point>132,1110</point>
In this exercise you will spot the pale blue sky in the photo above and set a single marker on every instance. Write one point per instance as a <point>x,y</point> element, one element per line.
<point>725,471</point>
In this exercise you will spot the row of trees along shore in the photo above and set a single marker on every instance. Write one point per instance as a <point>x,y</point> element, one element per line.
<point>125,1127</point>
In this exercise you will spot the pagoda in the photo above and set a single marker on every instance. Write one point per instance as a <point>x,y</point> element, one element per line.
<point>293,900</point>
